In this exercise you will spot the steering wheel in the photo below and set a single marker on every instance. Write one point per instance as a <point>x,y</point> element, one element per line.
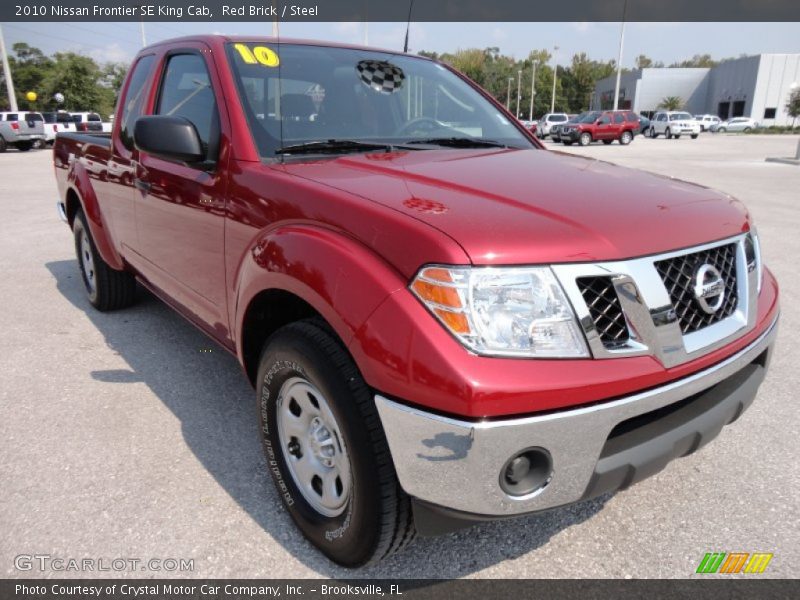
<point>424,125</point>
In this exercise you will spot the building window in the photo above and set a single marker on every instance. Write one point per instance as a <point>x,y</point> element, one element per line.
<point>738,108</point>
<point>769,113</point>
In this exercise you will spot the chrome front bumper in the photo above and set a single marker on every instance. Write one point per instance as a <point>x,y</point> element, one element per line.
<point>457,464</point>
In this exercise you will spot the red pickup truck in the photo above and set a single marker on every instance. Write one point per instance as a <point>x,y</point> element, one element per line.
<point>434,335</point>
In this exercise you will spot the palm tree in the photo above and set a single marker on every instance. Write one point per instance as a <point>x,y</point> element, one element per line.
<point>671,103</point>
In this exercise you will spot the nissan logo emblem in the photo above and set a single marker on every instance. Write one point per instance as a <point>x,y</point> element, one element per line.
<point>709,288</point>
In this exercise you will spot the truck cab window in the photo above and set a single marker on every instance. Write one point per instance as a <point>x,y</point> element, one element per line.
<point>133,102</point>
<point>186,92</point>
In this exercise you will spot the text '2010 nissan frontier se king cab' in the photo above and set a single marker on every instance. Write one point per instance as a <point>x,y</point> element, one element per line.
<point>435,336</point>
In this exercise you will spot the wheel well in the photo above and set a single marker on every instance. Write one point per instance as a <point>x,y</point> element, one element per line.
<point>73,204</point>
<point>269,311</point>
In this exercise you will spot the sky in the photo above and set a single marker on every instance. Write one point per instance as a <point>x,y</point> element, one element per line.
<point>666,42</point>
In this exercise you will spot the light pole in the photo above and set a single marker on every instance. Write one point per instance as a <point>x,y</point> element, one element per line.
<point>12,98</point>
<point>519,82</point>
<point>533,89</point>
<point>619,56</point>
<point>555,75</point>
<point>508,94</point>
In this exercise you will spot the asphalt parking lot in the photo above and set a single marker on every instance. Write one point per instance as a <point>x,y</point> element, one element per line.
<point>129,435</point>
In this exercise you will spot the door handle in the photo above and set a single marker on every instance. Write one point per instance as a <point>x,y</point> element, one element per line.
<point>142,185</point>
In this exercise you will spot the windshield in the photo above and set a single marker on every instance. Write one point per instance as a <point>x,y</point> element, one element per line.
<point>680,117</point>
<point>589,117</point>
<point>294,94</point>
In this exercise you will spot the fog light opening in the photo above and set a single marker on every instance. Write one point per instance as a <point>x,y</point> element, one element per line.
<point>526,472</point>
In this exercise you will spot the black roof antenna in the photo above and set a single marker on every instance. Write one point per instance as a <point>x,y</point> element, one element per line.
<point>408,24</point>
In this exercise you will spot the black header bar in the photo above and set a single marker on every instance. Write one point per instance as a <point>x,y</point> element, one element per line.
<point>397,10</point>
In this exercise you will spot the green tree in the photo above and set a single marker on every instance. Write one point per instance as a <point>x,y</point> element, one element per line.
<point>793,106</point>
<point>671,103</point>
<point>80,80</point>
<point>643,62</point>
<point>29,68</point>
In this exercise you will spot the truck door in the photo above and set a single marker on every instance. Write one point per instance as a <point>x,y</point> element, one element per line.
<point>180,208</point>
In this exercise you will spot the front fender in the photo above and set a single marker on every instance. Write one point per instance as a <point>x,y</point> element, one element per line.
<point>338,276</point>
<point>80,183</point>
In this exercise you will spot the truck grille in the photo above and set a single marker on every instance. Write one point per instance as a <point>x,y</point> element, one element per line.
<point>678,274</point>
<point>604,308</point>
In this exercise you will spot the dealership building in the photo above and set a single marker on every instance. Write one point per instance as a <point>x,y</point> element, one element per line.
<point>753,86</point>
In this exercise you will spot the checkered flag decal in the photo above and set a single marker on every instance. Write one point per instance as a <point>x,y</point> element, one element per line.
<point>381,76</point>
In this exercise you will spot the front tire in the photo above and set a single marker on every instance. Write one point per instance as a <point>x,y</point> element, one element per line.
<point>326,449</point>
<point>721,130</point>
<point>652,133</point>
<point>608,142</point>
<point>694,136</point>
<point>668,134</point>
<point>3,144</point>
<point>106,288</point>
<point>585,139</point>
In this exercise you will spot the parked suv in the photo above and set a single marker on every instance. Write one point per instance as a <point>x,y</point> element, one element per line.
<point>744,124</point>
<point>604,126</point>
<point>22,130</point>
<point>673,124</point>
<point>555,130</point>
<point>547,121</point>
<point>706,121</point>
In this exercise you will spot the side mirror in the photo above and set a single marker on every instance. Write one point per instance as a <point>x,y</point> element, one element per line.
<point>170,138</point>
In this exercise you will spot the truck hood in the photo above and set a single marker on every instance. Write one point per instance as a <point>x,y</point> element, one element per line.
<point>507,206</point>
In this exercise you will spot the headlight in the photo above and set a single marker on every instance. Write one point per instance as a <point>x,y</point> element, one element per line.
<point>502,311</point>
<point>752,253</point>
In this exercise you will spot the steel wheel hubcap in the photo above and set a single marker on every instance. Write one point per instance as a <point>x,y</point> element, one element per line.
<point>313,446</point>
<point>87,262</point>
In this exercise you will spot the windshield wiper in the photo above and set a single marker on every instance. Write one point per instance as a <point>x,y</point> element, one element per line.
<point>460,142</point>
<point>323,146</point>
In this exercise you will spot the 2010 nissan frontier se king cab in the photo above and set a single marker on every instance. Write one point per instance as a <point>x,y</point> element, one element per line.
<point>435,336</point>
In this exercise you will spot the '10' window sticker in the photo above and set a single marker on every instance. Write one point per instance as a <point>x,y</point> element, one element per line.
<point>258,55</point>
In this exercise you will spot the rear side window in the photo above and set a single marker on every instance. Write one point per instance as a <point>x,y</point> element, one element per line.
<point>33,117</point>
<point>618,118</point>
<point>133,103</point>
<point>12,117</point>
<point>186,92</point>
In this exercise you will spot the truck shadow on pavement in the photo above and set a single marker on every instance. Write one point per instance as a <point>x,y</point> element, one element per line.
<point>206,390</point>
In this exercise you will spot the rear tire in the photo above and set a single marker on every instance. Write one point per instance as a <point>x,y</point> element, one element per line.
<point>357,512</point>
<point>567,143</point>
<point>626,138</point>
<point>24,146</point>
<point>106,288</point>
<point>608,142</point>
<point>748,129</point>
<point>3,145</point>
<point>694,136</point>
<point>721,130</point>
<point>585,139</point>
<point>652,133</point>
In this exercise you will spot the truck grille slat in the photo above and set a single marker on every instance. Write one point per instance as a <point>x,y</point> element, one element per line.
<point>678,274</point>
<point>605,309</point>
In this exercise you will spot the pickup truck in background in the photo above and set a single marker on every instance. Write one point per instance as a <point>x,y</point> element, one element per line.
<point>444,322</point>
<point>55,122</point>
<point>87,121</point>
<point>21,130</point>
